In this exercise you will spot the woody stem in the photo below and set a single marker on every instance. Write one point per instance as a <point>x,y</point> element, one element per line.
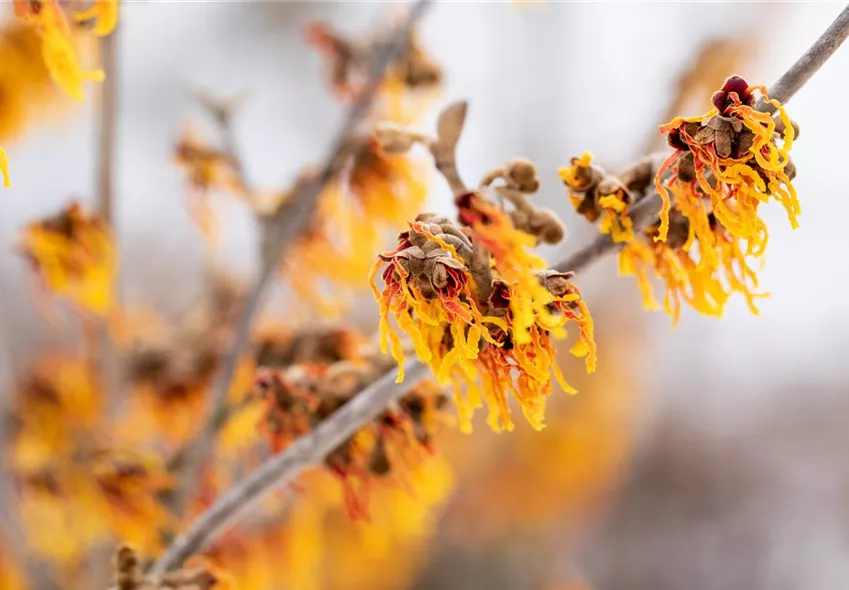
<point>107,124</point>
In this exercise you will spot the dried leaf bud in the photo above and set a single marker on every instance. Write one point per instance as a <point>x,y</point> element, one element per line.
<point>686,167</point>
<point>449,126</point>
<point>393,139</point>
<point>611,186</point>
<point>790,169</point>
<point>546,226</point>
<point>523,174</point>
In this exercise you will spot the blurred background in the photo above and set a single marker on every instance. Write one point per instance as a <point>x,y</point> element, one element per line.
<point>708,456</point>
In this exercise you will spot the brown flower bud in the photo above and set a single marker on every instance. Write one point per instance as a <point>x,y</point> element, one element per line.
<point>394,140</point>
<point>523,174</point>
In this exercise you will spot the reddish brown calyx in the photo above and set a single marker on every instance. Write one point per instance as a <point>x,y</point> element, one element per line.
<point>734,92</point>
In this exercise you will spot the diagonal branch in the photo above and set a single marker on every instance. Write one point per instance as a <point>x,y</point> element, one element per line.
<point>313,448</point>
<point>297,214</point>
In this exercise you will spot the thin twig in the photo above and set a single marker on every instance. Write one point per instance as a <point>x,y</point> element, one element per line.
<point>107,123</point>
<point>13,536</point>
<point>807,65</point>
<point>311,449</point>
<point>297,215</point>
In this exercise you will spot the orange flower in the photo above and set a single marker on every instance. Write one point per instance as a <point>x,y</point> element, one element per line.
<point>394,444</point>
<point>514,263</point>
<point>73,255</point>
<point>733,156</point>
<point>57,45</point>
<point>386,186</point>
<point>57,406</point>
<point>426,278</point>
<point>478,349</point>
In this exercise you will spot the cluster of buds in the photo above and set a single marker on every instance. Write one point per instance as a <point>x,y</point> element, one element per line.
<point>725,164</point>
<point>412,75</point>
<point>73,255</point>
<point>480,307</point>
<point>595,193</point>
<point>390,448</point>
<point>48,20</point>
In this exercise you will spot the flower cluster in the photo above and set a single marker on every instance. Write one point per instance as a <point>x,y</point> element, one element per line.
<point>61,460</point>
<point>734,157</point>
<point>394,446</point>
<point>25,83</point>
<point>480,307</point>
<point>47,18</point>
<point>706,243</point>
<point>73,255</point>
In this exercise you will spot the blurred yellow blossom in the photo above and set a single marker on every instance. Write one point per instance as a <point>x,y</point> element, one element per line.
<point>57,45</point>
<point>105,16</point>
<point>73,255</point>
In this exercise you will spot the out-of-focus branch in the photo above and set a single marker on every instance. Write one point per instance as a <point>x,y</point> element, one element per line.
<point>311,449</point>
<point>297,214</point>
<point>281,469</point>
<point>107,124</point>
<point>12,532</point>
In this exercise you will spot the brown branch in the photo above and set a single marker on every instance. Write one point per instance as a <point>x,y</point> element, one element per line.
<point>807,65</point>
<point>107,123</point>
<point>311,449</point>
<point>281,469</point>
<point>297,215</point>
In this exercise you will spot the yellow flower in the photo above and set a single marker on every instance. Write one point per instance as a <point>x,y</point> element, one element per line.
<point>57,405</point>
<point>733,156</point>
<point>514,263</point>
<point>25,84</point>
<point>4,168</point>
<point>386,186</point>
<point>326,264</point>
<point>616,220</point>
<point>57,45</point>
<point>74,256</point>
<point>482,349</point>
<point>105,15</point>
<point>702,272</point>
